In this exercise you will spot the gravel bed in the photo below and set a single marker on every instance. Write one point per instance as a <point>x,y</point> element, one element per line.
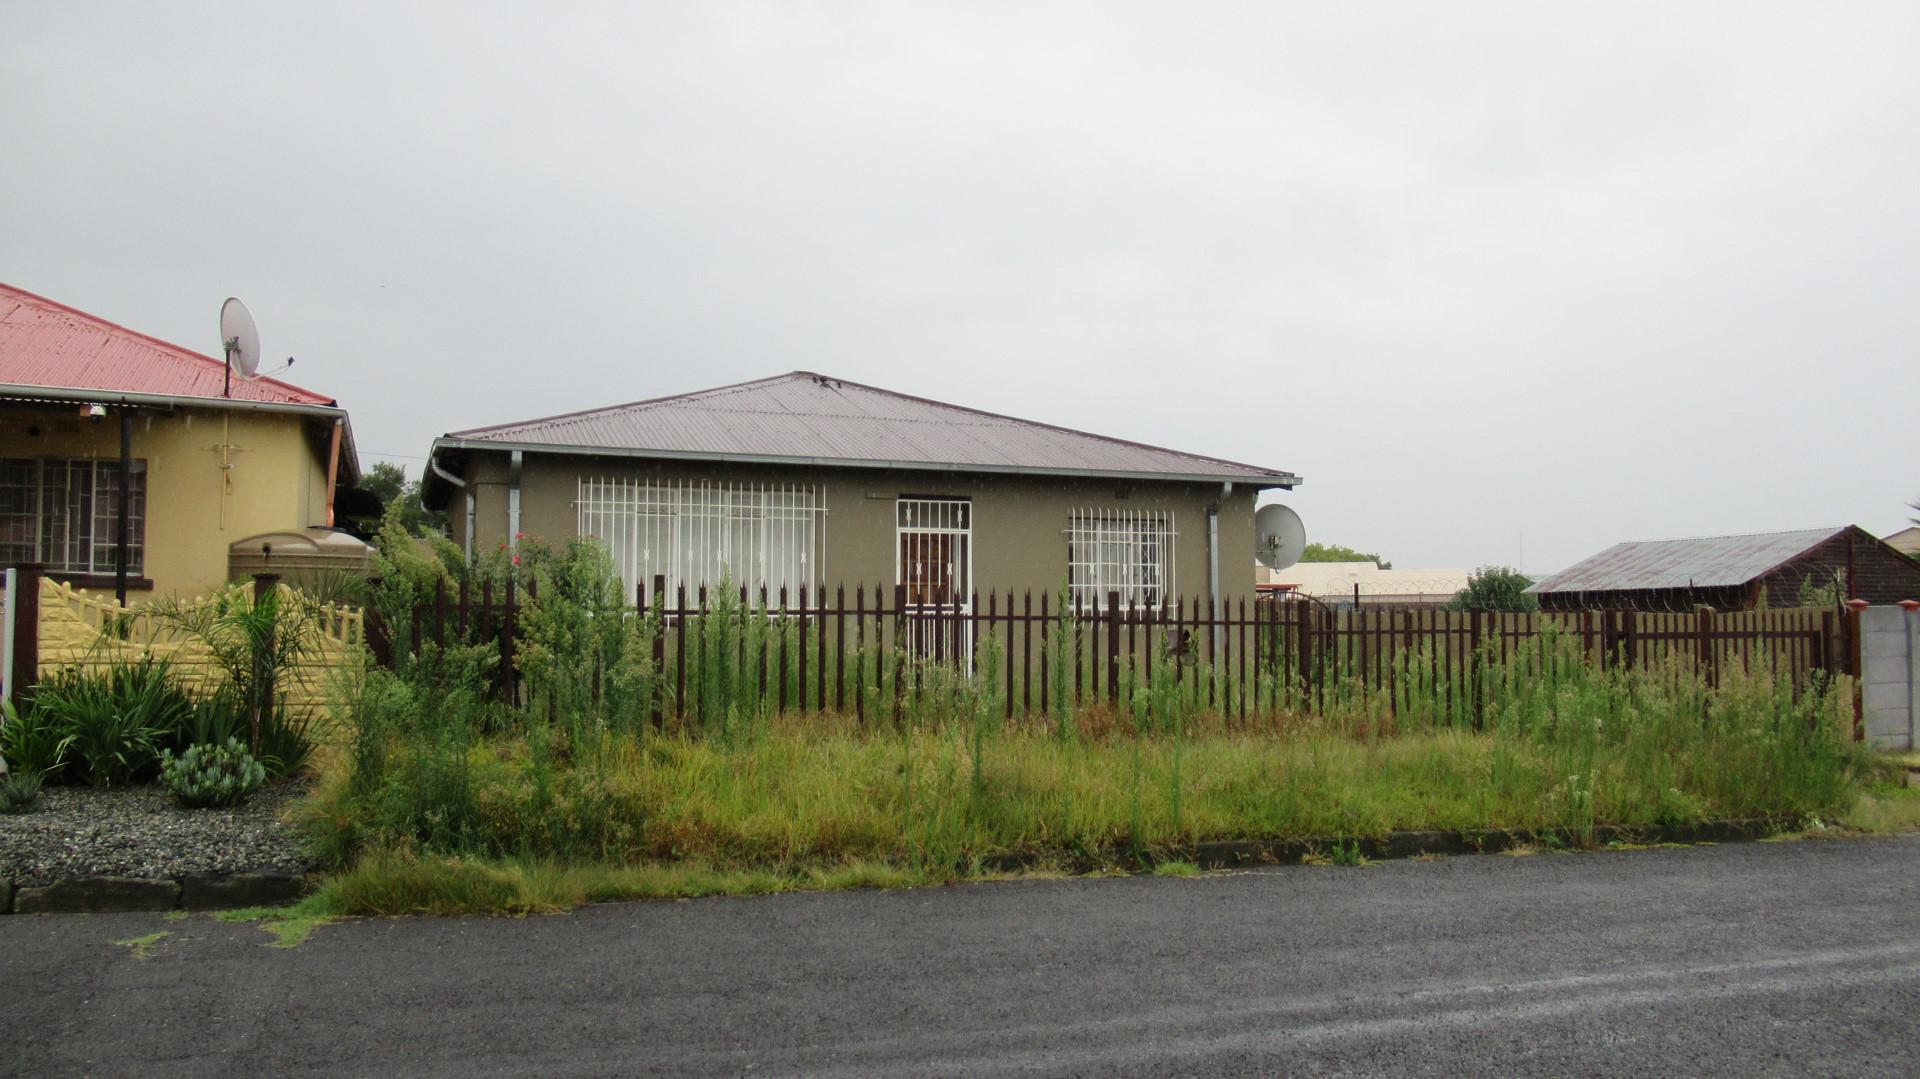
<point>139,832</point>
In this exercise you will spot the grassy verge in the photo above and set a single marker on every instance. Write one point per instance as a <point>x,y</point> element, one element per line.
<point>443,801</point>
<point>389,883</point>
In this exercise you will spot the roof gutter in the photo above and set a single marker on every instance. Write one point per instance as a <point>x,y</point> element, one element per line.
<point>169,400</point>
<point>1285,480</point>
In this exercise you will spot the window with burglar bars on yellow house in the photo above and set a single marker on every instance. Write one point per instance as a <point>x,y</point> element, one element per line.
<point>63,514</point>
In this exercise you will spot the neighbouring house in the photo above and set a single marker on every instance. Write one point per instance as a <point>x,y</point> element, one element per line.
<point>1734,573</point>
<point>1906,541</point>
<point>215,476</point>
<point>803,480</point>
<point>1349,584</point>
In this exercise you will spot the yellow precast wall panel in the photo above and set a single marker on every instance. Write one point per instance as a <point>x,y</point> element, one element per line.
<point>74,635</point>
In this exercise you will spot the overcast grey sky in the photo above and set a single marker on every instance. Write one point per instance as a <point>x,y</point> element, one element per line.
<point>1578,273</point>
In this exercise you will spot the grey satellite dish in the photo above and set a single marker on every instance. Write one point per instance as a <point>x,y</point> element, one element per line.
<point>1279,538</point>
<point>239,340</point>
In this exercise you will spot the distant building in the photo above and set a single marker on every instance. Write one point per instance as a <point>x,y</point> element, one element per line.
<point>1344,584</point>
<point>1906,541</point>
<point>1734,573</point>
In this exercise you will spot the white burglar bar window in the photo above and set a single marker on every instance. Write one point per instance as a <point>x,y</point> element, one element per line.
<point>1121,550</point>
<point>757,535</point>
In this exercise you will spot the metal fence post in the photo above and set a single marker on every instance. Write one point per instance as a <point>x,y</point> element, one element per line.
<point>264,590</point>
<point>1703,646</point>
<point>659,598</point>
<point>23,595</point>
<point>1113,646</point>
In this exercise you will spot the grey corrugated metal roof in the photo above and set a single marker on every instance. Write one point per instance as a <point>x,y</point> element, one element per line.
<point>1704,562</point>
<point>805,417</point>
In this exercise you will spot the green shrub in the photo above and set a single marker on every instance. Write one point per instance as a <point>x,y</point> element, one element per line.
<point>1495,588</point>
<point>253,640</point>
<point>147,690</point>
<point>212,775</point>
<point>286,741</point>
<point>19,791</point>
<point>108,742</point>
<point>33,741</point>
<point>212,720</point>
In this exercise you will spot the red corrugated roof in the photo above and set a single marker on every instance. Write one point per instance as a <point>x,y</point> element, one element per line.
<point>46,343</point>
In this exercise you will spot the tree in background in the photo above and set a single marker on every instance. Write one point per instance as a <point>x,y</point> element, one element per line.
<point>1495,588</point>
<point>390,483</point>
<point>1333,552</point>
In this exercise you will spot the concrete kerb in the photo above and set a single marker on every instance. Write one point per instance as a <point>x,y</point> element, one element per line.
<point>100,895</point>
<point>1399,845</point>
<point>106,895</point>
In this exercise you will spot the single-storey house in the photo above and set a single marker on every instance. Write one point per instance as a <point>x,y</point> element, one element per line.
<point>84,401</point>
<point>1344,585</point>
<point>1734,573</point>
<point>805,480</point>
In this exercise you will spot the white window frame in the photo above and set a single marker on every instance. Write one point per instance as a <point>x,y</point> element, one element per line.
<point>1108,551</point>
<point>101,511</point>
<point>692,532</point>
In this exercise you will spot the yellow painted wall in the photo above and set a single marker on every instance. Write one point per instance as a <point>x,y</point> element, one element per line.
<point>196,505</point>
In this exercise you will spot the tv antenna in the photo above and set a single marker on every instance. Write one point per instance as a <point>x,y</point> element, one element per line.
<point>240,340</point>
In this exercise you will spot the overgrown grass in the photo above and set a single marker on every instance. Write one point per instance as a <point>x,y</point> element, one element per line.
<point>1884,810</point>
<point>445,800</point>
<point>389,883</point>
<point>807,794</point>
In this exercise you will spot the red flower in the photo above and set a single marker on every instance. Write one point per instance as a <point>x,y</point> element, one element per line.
<point>516,560</point>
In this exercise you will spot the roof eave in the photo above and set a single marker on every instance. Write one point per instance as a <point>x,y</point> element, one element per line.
<point>28,391</point>
<point>64,394</point>
<point>1264,481</point>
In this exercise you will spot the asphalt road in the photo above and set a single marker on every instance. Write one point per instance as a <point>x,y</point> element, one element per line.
<point>1751,959</point>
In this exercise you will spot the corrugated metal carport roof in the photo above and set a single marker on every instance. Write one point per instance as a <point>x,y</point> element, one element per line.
<point>1703,562</point>
<point>806,417</point>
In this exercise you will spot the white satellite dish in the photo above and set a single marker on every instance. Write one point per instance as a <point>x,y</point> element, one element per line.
<point>1279,537</point>
<point>239,340</point>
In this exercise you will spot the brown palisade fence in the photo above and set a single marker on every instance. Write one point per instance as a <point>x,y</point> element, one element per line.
<point>863,650</point>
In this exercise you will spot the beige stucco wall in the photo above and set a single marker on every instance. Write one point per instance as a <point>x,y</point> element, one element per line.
<point>1019,522</point>
<point>213,476</point>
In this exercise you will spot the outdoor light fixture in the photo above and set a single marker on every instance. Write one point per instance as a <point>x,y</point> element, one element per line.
<point>94,411</point>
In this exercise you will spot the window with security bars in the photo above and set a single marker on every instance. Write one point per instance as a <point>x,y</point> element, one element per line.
<point>64,514</point>
<point>1121,550</point>
<point>936,556</point>
<point>770,536</point>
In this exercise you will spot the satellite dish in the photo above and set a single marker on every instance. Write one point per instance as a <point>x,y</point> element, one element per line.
<point>1279,538</point>
<point>239,340</point>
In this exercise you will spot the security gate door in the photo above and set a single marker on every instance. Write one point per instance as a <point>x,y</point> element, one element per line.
<point>936,570</point>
